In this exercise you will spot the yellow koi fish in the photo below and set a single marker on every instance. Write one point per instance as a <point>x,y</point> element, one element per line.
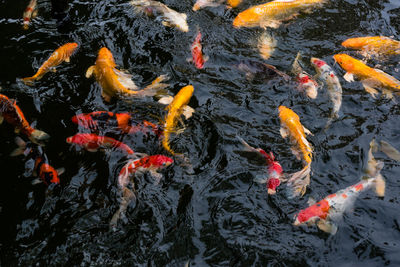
<point>115,82</point>
<point>370,78</point>
<point>273,13</point>
<point>61,54</point>
<point>291,127</point>
<point>175,109</point>
<point>374,45</point>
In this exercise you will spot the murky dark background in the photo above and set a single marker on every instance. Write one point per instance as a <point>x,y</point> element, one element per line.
<point>215,215</point>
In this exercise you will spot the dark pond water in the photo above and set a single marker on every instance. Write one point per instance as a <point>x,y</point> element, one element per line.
<point>214,215</point>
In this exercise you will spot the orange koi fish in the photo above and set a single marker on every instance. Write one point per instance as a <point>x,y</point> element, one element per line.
<point>42,169</point>
<point>333,206</point>
<point>175,109</point>
<point>151,164</point>
<point>291,127</point>
<point>374,45</point>
<point>14,116</point>
<point>29,13</point>
<point>273,13</point>
<point>93,142</point>
<point>370,78</point>
<point>117,83</point>
<point>212,3</point>
<point>61,54</point>
<point>198,58</point>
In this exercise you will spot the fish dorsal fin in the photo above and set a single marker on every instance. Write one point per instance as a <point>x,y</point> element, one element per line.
<point>388,76</point>
<point>125,79</point>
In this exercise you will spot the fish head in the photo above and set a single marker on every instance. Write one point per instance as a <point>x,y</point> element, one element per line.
<point>286,113</point>
<point>345,61</point>
<point>272,184</point>
<point>71,47</point>
<point>79,138</point>
<point>161,161</point>
<point>248,18</point>
<point>105,56</point>
<point>179,21</point>
<point>318,63</point>
<point>354,43</point>
<point>319,210</point>
<point>200,4</point>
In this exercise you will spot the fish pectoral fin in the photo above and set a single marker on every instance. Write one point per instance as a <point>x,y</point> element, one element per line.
<point>296,153</point>
<point>89,71</point>
<point>60,171</point>
<point>53,69</point>
<point>165,100</point>
<point>157,176</point>
<point>67,59</point>
<point>189,59</point>
<point>348,77</point>
<point>17,130</point>
<point>327,226</point>
<point>106,97</point>
<point>166,23</point>
<point>308,132</point>
<point>311,201</point>
<point>373,92</point>
<point>206,58</point>
<point>34,14</point>
<point>387,93</point>
<point>390,151</point>
<point>187,111</point>
<point>36,181</point>
<point>284,132</point>
<point>270,23</point>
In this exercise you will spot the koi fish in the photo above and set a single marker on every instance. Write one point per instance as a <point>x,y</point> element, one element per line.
<point>272,14</point>
<point>42,169</point>
<point>93,142</point>
<point>122,121</point>
<point>168,16</point>
<point>326,73</point>
<point>175,109</point>
<point>11,112</point>
<point>61,54</point>
<point>261,71</point>
<point>29,13</point>
<point>275,171</point>
<point>374,45</point>
<point>115,82</point>
<point>306,83</point>
<point>212,3</point>
<point>370,78</point>
<point>198,58</point>
<point>332,207</point>
<point>153,164</point>
<point>266,45</point>
<point>291,127</point>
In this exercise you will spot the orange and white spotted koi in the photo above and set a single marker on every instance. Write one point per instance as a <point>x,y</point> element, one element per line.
<point>332,207</point>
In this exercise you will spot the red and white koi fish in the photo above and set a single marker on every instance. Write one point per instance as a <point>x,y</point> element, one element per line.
<point>332,207</point>
<point>29,13</point>
<point>198,58</point>
<point>42,169</point>
<point>151,164</point>
<point>306,83</point>
<point>326,73</point>
<point>122,121</point>
<point>14,116</point>
<point>94,142</point>
<point>275,171</point>
<point>61,54</point>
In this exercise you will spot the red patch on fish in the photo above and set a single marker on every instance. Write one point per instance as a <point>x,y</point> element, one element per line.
<point>320,209</point>
<point>197,54</point>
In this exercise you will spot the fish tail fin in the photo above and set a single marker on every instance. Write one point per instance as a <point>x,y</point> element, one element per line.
<point>21,149</point>
<point>296,68</point>
<point>38,136</point>
<point>128,196</point>
<point>380,185</point>
<point>331,118</point>
<point>246,146</point>
<point>165,142</point>
<point>299,181</point>
<point>29,80</point>
<point>155,87</point>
